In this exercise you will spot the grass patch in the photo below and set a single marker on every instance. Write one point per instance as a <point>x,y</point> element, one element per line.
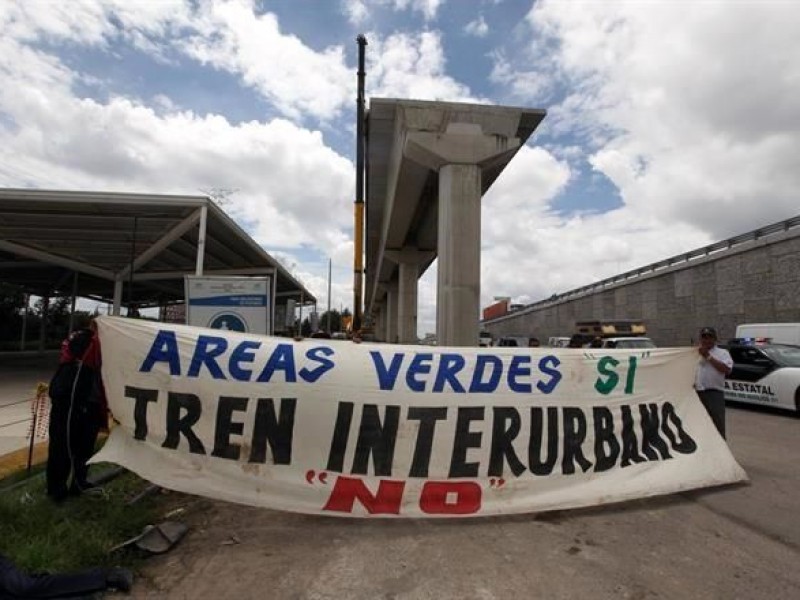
<point>39,535</point>
<point>37,471</point>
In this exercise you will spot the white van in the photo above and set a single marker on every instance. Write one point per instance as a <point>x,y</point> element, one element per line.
<point>778,333</point>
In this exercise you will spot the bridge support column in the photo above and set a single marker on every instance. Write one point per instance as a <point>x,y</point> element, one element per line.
<point>459,155</point>
<point>409,261</point>
<point>459,275</point>
<point>392,301</point>
<point>378,321</point>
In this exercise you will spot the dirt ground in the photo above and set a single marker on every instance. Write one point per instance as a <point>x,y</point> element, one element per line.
<point>737,542</point>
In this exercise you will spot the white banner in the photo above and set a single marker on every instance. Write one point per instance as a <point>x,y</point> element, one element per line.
<point>337,428</point>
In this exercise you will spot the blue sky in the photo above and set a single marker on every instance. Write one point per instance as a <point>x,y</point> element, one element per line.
<point>670,124</point>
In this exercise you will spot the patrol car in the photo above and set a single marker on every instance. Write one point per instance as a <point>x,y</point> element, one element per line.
<point>764,373</point>
<point>638,343</point>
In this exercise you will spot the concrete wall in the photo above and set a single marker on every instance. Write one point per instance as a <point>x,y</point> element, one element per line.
<point>752,282</point>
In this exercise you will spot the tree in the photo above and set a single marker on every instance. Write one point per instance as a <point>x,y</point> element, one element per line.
<point>12,300</point>
<point>305,328</point>
<point>336,322</point>
<point>335,318</point>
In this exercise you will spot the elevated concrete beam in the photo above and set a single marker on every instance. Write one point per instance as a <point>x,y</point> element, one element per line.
<point>461,144</point>
<point>411,144</point>
<point>459,155</point>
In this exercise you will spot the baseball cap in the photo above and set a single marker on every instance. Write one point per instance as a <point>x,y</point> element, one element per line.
<point>709,331</point>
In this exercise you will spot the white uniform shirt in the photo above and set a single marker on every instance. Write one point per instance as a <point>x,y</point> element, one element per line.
<point>708,377</point>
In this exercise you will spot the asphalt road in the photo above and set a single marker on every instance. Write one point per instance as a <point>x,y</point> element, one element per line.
<point>738,542</point>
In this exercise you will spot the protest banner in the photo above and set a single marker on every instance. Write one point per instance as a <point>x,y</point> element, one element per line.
<point>330,427</point>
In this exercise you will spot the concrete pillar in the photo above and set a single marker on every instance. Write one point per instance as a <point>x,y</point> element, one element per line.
<point>392,301</point>
<point>383,336</point>
<point>407,303</point>
<point>409,261</point>
<point>459,273</point>
<point>459,155</point>
<point>117,297</point>
<point>377,321</point>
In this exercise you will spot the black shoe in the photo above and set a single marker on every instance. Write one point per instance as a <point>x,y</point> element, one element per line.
<point>58,497</point>
<point>77,488</point>
<point>119,579</point>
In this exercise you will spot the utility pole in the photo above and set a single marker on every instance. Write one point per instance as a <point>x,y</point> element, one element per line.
<point>328,329</point>
<point>359,204</point>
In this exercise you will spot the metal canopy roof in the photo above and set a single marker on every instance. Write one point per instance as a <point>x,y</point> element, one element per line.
<point>48,236</point>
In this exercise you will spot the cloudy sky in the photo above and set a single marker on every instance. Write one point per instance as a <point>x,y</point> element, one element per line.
<point>670,124</point>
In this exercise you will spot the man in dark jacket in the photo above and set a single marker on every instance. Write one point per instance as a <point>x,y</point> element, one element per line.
<point>77,414</point>
<point>15,583</point>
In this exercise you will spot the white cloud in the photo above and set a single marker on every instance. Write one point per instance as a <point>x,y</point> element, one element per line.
<point>295,78</point>
<point>226,34</point>
<point>428,8</point>
<point>521,83</point>
<point>412,66</point>
<point>292,190</point>
<point>667,97</point>
<point>359,11</point>
<point>663,101</point>
<point>356,11</point>
<point>477,27</point>
<point>90,22</point>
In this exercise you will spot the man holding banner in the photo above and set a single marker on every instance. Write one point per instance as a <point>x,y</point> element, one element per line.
<point>715,364</point>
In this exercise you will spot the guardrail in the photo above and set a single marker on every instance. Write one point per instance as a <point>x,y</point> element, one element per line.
<point>723,246</point>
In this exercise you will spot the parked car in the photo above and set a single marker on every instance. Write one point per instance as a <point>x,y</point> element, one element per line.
<point>518,341</point>
<point>582,340</point>
<point>484,339</point>
<point>636,343</point>
<point>764,373</point>
<point>558,342</point>
<point>778,333</point>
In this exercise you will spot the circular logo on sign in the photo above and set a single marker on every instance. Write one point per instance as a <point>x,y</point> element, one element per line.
<point>229,322</point>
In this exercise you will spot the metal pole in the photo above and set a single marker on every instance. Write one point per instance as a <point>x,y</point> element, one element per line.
<point>273,300</point>
<point>302,302</point>
<point>74,296</point>
<point>328,324</point>
<point>359,205</point>
<point>33,432</point>
<point>133,257</point>
<point>43,327</point>
<point>201,241</point>
<point>24,322</point>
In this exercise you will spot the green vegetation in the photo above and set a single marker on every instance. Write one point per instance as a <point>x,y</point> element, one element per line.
<point>39,535</point>
<point>54,313</point>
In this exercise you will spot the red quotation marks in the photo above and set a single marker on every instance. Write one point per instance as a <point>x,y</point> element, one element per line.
<point>323,476</point>
<point>436,497</point>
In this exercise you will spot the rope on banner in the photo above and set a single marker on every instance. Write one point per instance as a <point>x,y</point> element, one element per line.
<point>40,423</point>
<point>40,412</point>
